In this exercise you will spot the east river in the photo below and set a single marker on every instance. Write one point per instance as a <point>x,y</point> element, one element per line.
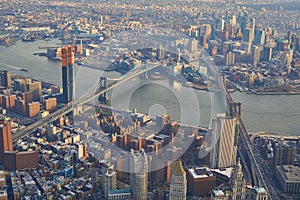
<point>270,113</point>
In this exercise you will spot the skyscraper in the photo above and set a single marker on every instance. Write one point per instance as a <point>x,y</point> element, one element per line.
<point>259,37</point>
<point>9,188</point>
<point>224,138</point>
<point>160,53</point>
<point>237,182</point>
<point>230,59</point>
<point>110,181</point>
<point>5,139</point>
<point>255,55</point>
<point>220,24</point>
<point>139,174</point>
<point>267,54</point>
<point>248,35</point>
<point>178,186</point>
<point>253,24</point>
<point>5,79</point>
<point>67,54</point>
<point>70,71</point>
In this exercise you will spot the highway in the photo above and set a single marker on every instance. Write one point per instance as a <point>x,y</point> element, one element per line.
<point>70,107</point>
<point>258,172</point>
<point>257,168</point>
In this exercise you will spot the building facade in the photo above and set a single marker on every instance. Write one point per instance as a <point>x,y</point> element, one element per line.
<point>289,179</point>
<point>178,186</point>
<point>5,79</point>
<point>224,138</point>
<point>201,181</point>
<point>139,174</point>
<point>239,190</point>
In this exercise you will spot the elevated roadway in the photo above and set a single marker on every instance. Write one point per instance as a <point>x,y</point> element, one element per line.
<point>70,107</point>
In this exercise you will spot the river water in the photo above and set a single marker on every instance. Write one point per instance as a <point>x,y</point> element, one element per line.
<point>271,113</point>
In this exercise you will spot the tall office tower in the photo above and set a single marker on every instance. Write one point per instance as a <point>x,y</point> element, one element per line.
<point>178,57</point>
<point>110,181</point>
<point>255,55</point>
<point>194,45</point>
<point>237,182</point>
<point>178,186</point>
<point>248,35</point>
<point>5,138</point>
<point>224,138</point>
<point>230,59</point>
<point>259,37</point>
<point>233,22</point>
<point>9,188</point>
<point>203,41</point>
<point>293,41</point>
<point>253,24</point>
<point>160,53</point>
<point>284,154</point>
<point>139,174</point>
<point>244,23</point>
<point>298,43</point>
<point>70,71</point>
<point>290,36</point>
<point>286,58</point>
<point>65,81</point>
<point>204,30</point>
<point>213,35</point>
<point>67,54</point>
<point>267,54</point>
<point>220,24</point>
<point>5,79</point>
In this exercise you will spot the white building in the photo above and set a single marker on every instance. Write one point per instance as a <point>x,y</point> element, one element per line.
<point>178,186</point>
<point>139,174</point>
<point>224,138</point>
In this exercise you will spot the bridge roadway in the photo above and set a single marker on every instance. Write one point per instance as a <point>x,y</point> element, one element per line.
<point>70,107</point>
<point>258,175</point>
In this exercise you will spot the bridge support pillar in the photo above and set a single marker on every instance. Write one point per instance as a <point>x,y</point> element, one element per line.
<point>236,109</point>
<point>78,110</point>
<point>102,86</point>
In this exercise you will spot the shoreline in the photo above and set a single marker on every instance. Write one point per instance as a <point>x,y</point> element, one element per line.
<point>275,93</point>
<point>45,83</point>
<point>273,135</point>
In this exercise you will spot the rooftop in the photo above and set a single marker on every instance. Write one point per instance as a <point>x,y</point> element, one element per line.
<point>260,190</point>
<point>177,169</point>
<point>218,193</point>
<point>290,172</point>
<point>226,171</point>
<point>200,172</point>
<point>112,192</point>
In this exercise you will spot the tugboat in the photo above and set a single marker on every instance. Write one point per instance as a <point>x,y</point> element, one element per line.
<point>23,69</point>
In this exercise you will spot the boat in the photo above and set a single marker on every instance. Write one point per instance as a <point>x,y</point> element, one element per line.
<point>23,69</point>
<point>28,40</point>
<point>188,84</point>
<point>231,90</point>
